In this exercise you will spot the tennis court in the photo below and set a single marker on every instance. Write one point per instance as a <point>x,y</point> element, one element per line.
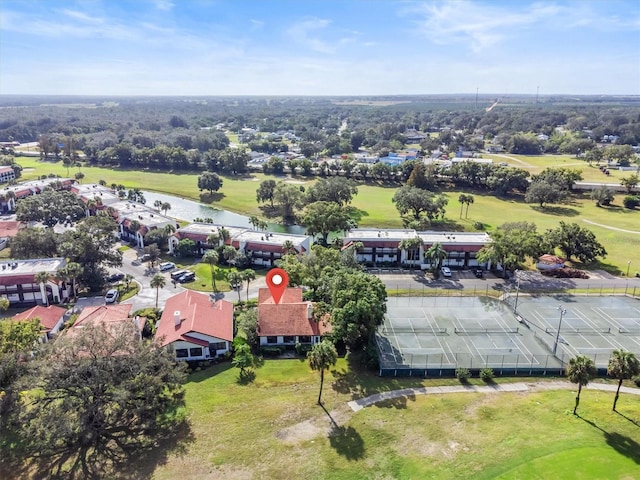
<point>436,335</point>
<point>593,326</point>
<point>429,336</point>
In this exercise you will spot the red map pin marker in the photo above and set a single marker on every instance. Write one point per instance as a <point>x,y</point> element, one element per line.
<point>277,281</point>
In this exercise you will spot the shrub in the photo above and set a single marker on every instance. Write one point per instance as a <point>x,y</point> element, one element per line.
<point>302,349</point>
<point>463,374</point>
<point>486,374</point>
<point>271,351</point>
<point>478,225</point>
<point>631,201</point>
<point>636,380</point>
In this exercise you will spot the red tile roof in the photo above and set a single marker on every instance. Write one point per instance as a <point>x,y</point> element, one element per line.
<point>49,316</point>
<point>10,228</point>
<point>289,317</point>
<point>103,314</point>
<point>197,315</point>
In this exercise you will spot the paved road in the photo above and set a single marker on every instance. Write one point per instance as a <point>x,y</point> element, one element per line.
<point>361,403</point>
<point>529,281</point>
<point>409,281</point>
<point>146,297</point>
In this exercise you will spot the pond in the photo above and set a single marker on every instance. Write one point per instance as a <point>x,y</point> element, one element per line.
<point>184,209</point>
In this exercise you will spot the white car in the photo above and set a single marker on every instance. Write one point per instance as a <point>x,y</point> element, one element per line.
<point>446,271</point>
<point>167,266</point>
<point>111,296</point>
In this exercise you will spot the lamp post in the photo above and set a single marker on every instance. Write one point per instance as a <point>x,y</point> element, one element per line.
<point>562,312</point>
<point>515,305</point>
<point>628,265</point>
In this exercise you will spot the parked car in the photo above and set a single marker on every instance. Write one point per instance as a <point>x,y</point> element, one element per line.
<point>115,277</point>
<point>164,266</point>
<point>177,274</point>
<point>478,272</point>
<point>145,258</point>
<point>446,271</point>
<point>111,296</point>
<point>187,277</point>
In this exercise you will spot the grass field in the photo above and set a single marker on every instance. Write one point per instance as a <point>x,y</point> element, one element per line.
<point>272,428</point>
<point>536,163</point>
<point>372,207</point>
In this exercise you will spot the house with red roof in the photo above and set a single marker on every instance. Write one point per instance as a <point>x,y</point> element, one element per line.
<point>8,230</point>
<point>51,318</point>
<point>288,322</point>
<point>196,327</point>
<point>109,316</point>
<point>550,262</point>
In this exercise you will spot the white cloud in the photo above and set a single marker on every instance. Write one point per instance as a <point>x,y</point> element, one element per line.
<point>165,5</point>
<point>83,17</point>
<point>302,33</point>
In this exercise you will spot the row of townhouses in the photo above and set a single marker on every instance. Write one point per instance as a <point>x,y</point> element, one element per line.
<point>196,327</point>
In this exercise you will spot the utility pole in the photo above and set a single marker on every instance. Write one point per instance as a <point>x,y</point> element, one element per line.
<point>562,312</point>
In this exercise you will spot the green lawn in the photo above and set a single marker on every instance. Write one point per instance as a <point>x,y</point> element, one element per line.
<point>272,428</point>
<point>372,207</point>
<point>536,163</point>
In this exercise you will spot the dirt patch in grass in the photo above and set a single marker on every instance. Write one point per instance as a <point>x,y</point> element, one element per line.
<point>321,425</point>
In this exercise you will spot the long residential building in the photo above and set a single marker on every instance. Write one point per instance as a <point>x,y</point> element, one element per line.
<point>18,281</point>
<point>383,247</point>
<point>263,248</point>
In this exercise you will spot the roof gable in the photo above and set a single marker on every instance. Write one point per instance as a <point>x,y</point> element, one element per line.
<point>49,316</point>
<point>197,314</point>
<point>290,317</point>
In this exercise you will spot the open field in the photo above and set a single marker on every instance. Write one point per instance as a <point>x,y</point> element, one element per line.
<point>374,208</point>
<point>484,436</point>
<point>536,163</point>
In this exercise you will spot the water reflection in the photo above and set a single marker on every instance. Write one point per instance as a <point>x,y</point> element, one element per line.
<point>184,209</point>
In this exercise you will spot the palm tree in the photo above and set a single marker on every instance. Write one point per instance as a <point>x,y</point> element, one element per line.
<point>71,271</point>
<point>211,257</point>
<point>213,240</point>
<point>470,200</point>
<point>465,199</point>
<point>248,275</point>
<point>288,247</point>
<point>436,254</point>
<point>157,204</point>
<point>158,281</point>
<point>623,365</point>
<point>235,282</point>
<point>254,221</point>
<point>321,356</point>
<point>165,206</point>
<point>410,245</point>
<point>224,234</point>
<point>10,198</point>
<point>128,278</point>
<point>581,370</point>
<point>42,278</point>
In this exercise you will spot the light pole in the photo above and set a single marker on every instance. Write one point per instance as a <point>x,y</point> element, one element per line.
<point>515,305</point>
<point>628,265</point>
<point>562,312</point>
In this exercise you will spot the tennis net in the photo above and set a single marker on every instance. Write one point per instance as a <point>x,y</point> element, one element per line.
<point>580,330</point>
<point>479,331</point>
<point>431,331</point>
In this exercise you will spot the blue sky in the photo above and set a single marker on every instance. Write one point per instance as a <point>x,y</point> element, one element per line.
<point>318,47</point>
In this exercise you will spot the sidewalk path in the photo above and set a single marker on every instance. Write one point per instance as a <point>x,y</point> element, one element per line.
<point>357,405</point>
